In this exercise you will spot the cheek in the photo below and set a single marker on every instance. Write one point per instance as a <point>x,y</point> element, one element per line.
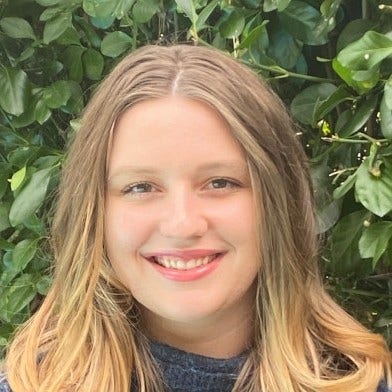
<point>125,229</point>
<point>236,219</point>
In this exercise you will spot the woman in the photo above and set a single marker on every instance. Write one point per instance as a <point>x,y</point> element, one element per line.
<point>185,246</point>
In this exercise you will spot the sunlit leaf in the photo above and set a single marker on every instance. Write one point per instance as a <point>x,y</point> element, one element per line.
<point>31,197</point>
<point>17,178</point>
<point>367,52</point>
<point>374,240</point>
<point>375,192</point>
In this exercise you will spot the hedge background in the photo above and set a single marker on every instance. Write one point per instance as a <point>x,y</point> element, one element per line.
<point>330,61</point>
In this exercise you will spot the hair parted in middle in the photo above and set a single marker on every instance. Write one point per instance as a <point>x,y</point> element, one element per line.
<point>87,328</point>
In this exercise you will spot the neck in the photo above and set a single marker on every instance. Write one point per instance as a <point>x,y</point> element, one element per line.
<point>226,336</point>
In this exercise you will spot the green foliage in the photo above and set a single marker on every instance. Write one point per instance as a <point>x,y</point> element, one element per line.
<point>330,61</point>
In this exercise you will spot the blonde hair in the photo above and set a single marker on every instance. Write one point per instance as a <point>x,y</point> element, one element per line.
<point>85,336</point>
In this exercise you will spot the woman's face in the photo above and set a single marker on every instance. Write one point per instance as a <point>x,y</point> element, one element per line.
<point>180,221</point>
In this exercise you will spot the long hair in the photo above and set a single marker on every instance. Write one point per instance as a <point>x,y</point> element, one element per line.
<point>86,337</point>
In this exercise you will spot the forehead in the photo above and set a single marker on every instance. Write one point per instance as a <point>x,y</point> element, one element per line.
<point>171,131</point>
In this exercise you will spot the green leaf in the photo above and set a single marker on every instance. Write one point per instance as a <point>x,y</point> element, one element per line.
<point>75,103</point>
<point>144,10</point>
<point>43,285</point>
<point>301,20</point>
<point>99,8</point>
<point>360,117</point>
<point>388,92</point>
<point>327,209</point>
<point>17,297</point>
<point>374,240</point>
<point>375,193</point>
<point>72,59</point>
<point>122,7</point>
<point>23,253</point>
<point>256,34</point>
<point>115,43</point>
<point>385,118</point>
<point>69,37</point>
<point>322,108</point>
<point>50,13</point>
<point>102,23</point>
<point>284,48</point>
<point>344,242</point>
<point>303,104</point>
<point>47,3</point>
<point>30,198</point>
<point>204,14</point>
<point>57,94</point>
<point>93,64</point>
<point>4,221</point>
<point>271,5</point>
<point>42,113</point>
<point>232,27</point>
<point>353,31</point>
<point>56,26</point>
<point>187,7</point>
<point>345,186</point>
<point>15,90</point>
<point>91,34</point>
<point>17,178</point>
<point>17,28</point>
<point>367,52</point>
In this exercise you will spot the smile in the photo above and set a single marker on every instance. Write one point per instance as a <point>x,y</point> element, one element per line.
<point>181,264</point>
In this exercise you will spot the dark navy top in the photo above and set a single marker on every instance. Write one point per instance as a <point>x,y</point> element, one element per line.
<point>186,372</point>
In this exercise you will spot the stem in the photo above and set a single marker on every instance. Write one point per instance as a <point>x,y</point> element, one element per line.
<point>13,128</point>
<point>364,9</point>
<point>134,35</point>
<point>283,73</point>
<point>368,140</point>
<point>372,139</point>
<point>342,171</point>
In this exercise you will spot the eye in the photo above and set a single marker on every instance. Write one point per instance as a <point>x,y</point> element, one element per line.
<point>139,188</point>
<point>222,183</point>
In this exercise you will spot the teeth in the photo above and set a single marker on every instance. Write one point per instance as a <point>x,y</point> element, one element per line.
<point>177,263</point>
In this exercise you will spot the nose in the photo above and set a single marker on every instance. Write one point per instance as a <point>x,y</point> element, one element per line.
<point>183,217</point>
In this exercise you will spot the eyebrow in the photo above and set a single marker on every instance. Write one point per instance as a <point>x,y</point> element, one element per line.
<point>237,167</point>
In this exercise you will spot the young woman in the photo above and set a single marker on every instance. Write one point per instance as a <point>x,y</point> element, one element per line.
<point>186,249</point>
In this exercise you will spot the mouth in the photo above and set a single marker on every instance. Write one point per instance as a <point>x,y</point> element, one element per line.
<point>181,264</point>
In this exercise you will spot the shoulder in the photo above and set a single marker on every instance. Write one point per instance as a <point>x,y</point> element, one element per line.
<point>4,386</point>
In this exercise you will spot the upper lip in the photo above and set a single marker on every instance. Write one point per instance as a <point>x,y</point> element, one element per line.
<point>184,254</point>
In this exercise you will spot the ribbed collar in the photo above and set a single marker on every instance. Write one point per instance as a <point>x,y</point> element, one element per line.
<point>188,372</point>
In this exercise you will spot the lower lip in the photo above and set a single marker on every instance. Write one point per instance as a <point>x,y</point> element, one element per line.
<point>188,275</point>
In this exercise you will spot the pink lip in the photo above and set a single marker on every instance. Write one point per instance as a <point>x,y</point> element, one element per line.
<point>185,254</point>
<point>186,275</point>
